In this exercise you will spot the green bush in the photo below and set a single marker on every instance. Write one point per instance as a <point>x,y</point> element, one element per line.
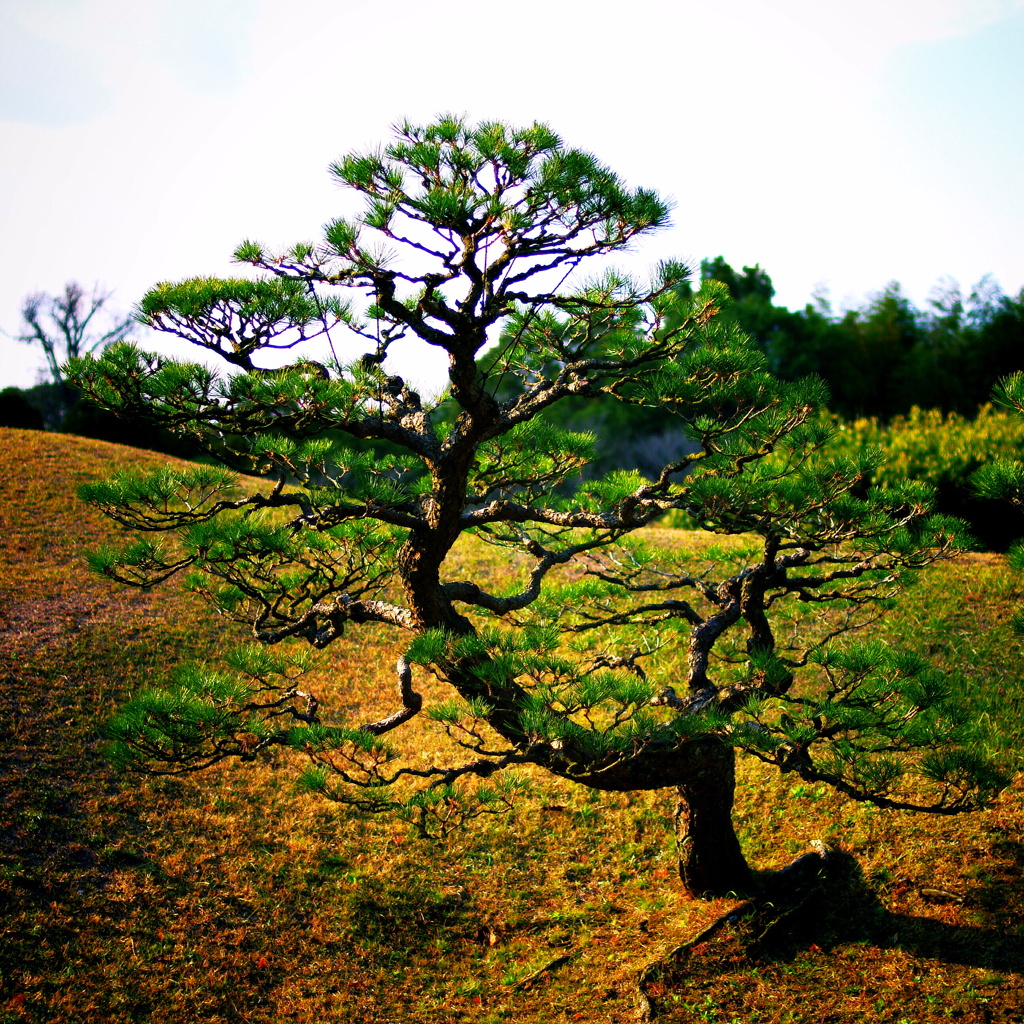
<point>944,451</point>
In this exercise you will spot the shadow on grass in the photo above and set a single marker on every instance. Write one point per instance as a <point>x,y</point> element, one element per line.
<point>835,906</point>
<point>849,911</point>
<point>818,944</point>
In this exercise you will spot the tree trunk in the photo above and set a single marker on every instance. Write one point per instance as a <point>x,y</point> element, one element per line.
<point>710,860</point>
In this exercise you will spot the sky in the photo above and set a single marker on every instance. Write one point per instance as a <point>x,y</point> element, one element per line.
<point>840,146</point>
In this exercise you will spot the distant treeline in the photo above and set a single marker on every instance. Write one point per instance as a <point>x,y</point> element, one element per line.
<point>887,356</point>
<point>879,360</point>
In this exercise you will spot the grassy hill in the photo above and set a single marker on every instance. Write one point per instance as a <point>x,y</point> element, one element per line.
<point>230,897</point>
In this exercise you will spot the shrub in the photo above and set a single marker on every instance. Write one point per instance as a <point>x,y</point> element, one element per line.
<point>944,451</point>
<point>17,411</point>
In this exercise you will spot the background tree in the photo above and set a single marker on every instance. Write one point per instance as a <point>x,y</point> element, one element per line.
<point>470,232</point>
<point>751,292</point>
<point>67,326</point>
<point>71,325</point>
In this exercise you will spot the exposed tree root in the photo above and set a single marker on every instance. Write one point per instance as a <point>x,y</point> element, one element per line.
<point>755,926</point>
<point>551,965</point>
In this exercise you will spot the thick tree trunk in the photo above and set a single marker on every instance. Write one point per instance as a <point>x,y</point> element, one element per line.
<point>710,860</point>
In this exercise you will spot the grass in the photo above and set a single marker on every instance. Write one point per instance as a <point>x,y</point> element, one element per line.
<point>230,897</point>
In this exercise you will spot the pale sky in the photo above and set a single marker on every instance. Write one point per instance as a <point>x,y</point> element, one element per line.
<point>837,144</point>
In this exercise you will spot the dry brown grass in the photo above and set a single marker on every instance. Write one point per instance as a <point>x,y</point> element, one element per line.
<point>229,897</point>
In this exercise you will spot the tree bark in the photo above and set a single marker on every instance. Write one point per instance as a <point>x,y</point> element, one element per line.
<point>710,860</point>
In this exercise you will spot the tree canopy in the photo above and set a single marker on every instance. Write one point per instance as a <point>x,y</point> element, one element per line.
<point>471,236</point>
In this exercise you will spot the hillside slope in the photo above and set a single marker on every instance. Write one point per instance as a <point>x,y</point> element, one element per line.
<point>231,897</point>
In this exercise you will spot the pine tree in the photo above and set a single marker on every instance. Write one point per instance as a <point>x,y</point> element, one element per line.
<point>472,235</point>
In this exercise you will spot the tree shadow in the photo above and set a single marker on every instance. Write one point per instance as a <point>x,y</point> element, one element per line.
<point>852,912</point>
<point>828,903</point>
<point>817,933</point>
